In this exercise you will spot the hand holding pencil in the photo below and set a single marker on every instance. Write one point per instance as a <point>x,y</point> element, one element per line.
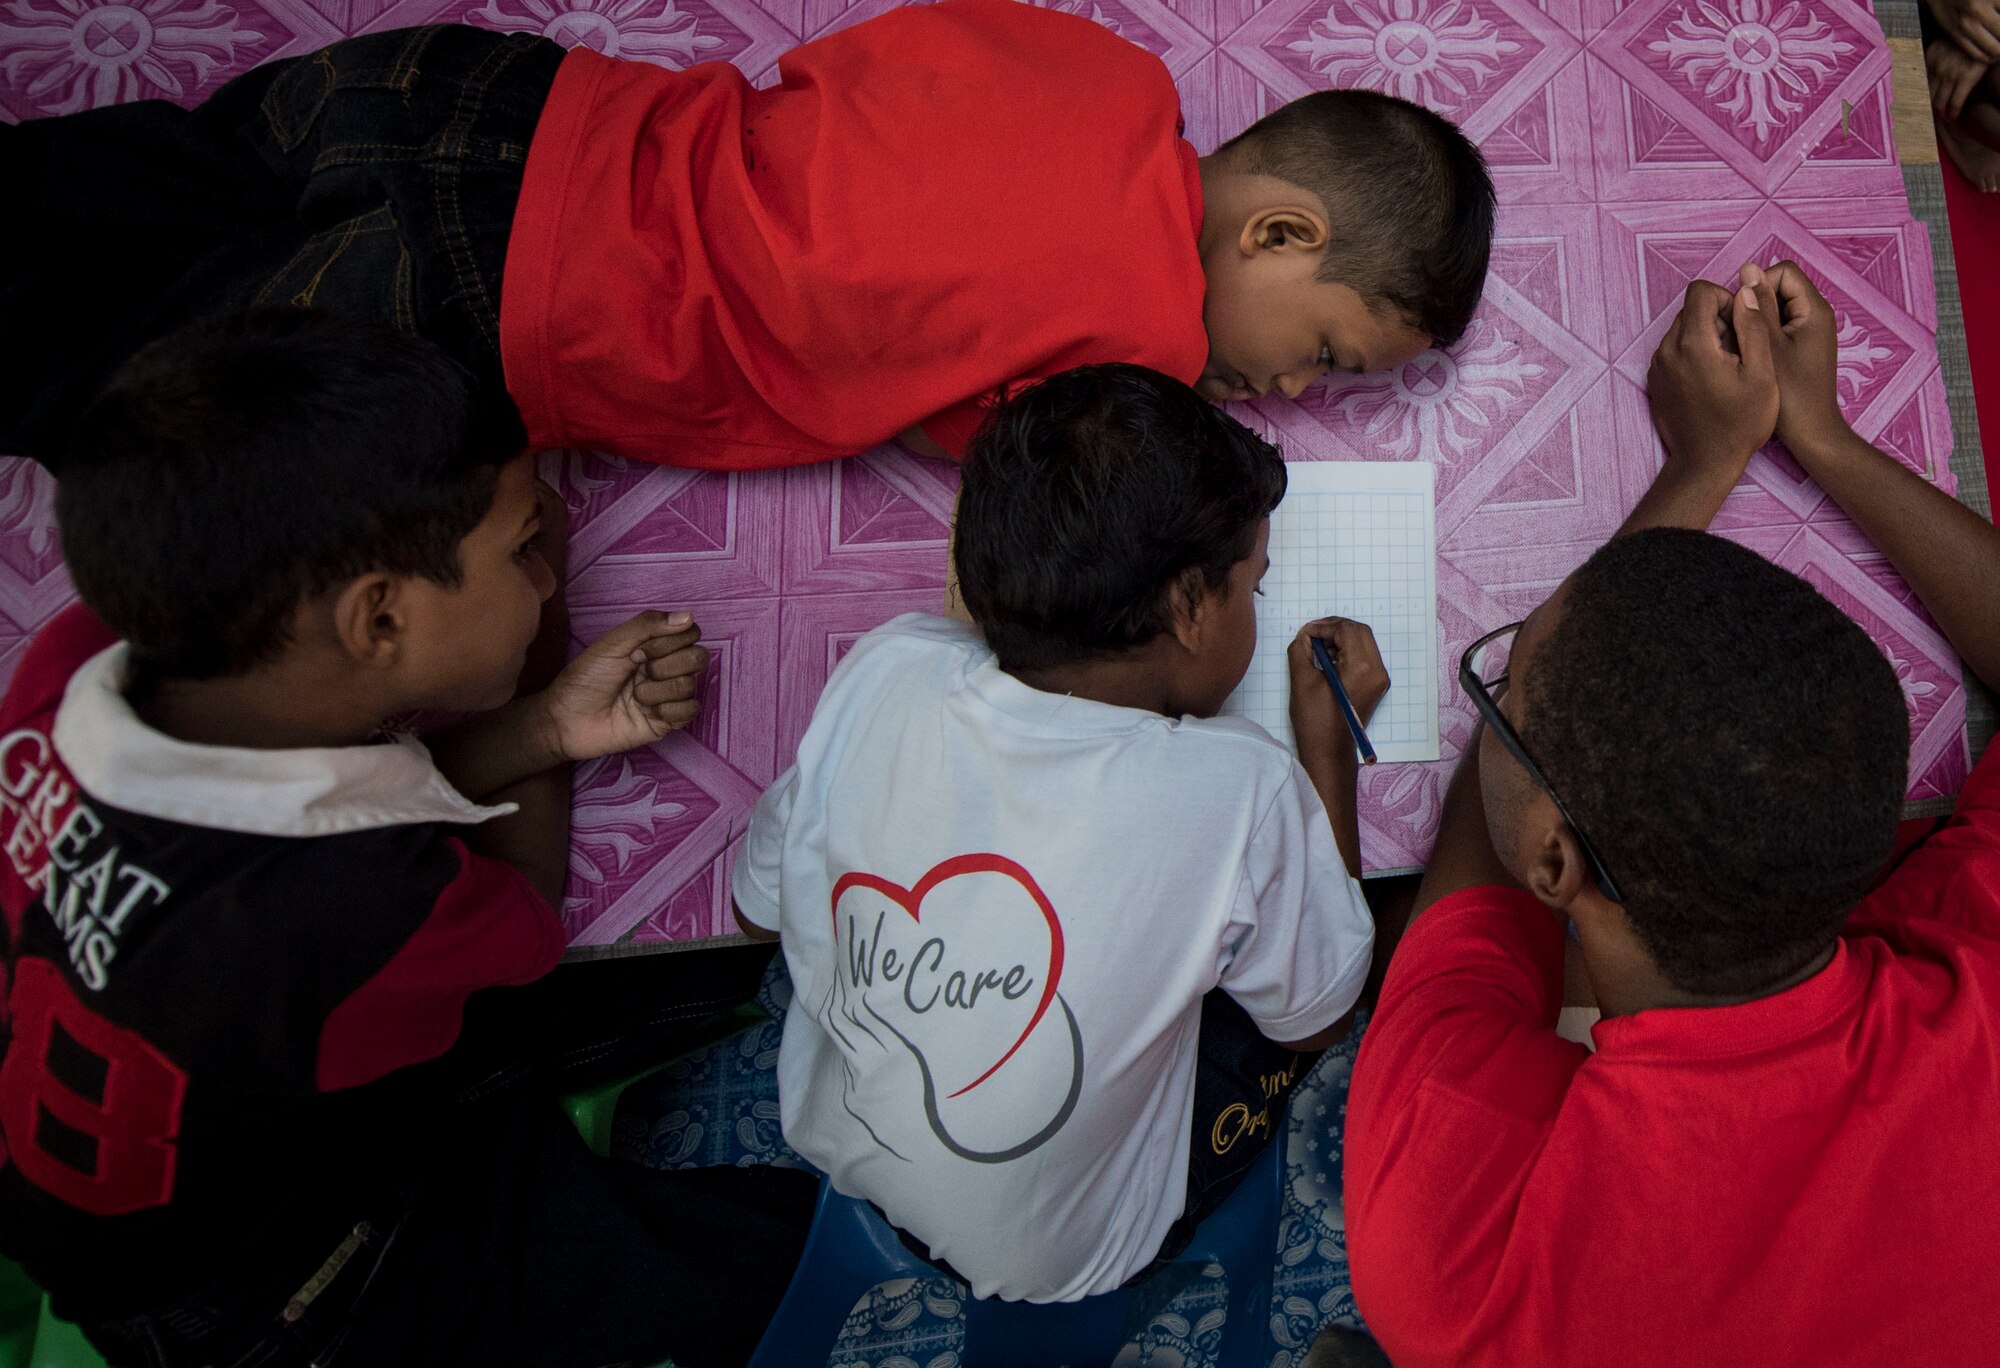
<point>1337,680</point>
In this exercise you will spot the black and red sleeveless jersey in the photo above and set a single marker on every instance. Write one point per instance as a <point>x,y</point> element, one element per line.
<point>218,968</point>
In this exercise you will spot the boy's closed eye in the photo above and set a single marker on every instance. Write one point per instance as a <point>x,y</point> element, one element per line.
<point>1332,363</point>
<point>530,533</point>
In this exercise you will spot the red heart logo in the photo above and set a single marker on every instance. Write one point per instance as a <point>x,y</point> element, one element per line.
<point>911,901</point>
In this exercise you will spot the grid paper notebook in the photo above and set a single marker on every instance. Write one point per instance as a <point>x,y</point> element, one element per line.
<point>1354,539</point>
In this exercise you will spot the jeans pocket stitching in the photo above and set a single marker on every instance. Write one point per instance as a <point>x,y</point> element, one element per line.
<point>279,103</point>
<point>403,75</point>
<point>339,240</point>
<point>471,103</point>
<point>346,155</point>
<point>405,291</point>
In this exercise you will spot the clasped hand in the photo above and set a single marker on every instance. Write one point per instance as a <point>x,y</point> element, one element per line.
<point>1737,367</point>
<point>1974,25</point>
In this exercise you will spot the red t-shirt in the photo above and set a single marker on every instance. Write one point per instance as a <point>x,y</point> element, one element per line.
<point>930,205</point>
<point>1813,1177</point>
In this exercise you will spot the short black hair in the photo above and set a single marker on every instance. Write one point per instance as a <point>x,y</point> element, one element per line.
<point>1088,497</point>
<point>1409,203</point>
<point>236,468</point>
<point>1734,745</point>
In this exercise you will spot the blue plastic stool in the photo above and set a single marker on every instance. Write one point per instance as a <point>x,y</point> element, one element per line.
<point>591,1110</point>
<point>850,1249</point>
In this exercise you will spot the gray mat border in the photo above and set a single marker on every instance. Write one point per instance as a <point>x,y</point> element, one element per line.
<point>1925,187</point>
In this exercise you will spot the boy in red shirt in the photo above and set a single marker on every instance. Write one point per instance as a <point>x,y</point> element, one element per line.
<point>930,207</point>
<point>281,1041</point>
<point>1782,1147</point>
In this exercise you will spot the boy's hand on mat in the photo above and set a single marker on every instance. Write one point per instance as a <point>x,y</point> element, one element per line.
<point>1316,719</point>
<point>1953,77</point>
<point>1973,24</point>
<point>1806,350</point>
<point>631,687</point>
<point>1712,385</point>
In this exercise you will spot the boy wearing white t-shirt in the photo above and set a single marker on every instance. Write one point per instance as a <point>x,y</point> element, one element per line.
<point>1013,864</point>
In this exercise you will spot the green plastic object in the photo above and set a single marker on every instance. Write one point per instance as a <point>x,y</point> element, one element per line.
<point>17,1343</point>
<point>591,1109</point>
<point>20,1308</point>
<point>58,1344</point>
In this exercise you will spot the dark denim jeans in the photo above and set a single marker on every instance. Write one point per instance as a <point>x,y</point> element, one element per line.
<point>1242,1085</point>
<point>375,179</point>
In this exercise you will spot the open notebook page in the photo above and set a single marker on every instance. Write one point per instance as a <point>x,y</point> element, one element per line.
<point>1354,539</point>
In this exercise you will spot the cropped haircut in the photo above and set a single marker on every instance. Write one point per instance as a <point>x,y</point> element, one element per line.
<point>235,469</point>
<point>1408,200</point>
<point>1732,743</point>
<point>1089,497</point>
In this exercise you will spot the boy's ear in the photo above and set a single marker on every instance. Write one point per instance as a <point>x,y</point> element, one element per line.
<point>1299,226</point>
<point>1188,601</point>
<point>369,618</point>
<point>1557,873</point>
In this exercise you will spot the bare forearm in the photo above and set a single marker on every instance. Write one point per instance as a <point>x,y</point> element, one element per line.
<point>511,755</point>
<point>534,840</point>
<point>496,751</point>
<point>748,927</point>
<point>1682,496</point>
<point>1333,775</point>
<point>1947,553</point>
<point>1463,856</point>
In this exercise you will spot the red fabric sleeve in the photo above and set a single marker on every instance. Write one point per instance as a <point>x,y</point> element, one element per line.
<point>1469,1008</point>
<point>488,928</point>
<point>1489,955</point>
<point>1459,1078</point>
<point>1954,876</point>
<point>72,637</point>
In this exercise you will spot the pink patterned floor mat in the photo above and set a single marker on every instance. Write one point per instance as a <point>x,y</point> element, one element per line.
<point>1636,146</point>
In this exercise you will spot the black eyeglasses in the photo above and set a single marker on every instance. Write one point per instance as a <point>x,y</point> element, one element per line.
<point>1476,676</point>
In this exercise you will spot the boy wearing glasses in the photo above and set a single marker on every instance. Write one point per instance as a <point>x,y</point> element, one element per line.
<point>1784,1135</point>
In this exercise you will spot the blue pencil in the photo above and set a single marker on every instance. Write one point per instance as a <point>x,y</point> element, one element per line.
<point>1326,667</point>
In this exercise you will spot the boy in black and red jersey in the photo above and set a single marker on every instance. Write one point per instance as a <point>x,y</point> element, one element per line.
<point>266,1030</point>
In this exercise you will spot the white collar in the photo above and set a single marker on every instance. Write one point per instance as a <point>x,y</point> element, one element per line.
<point>119,760</point>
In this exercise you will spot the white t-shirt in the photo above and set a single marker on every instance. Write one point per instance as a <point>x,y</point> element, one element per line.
<point>1001,909</point>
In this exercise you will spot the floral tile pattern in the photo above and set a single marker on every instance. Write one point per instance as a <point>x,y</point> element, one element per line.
<point>1636,144</point>
<point>59,56</point>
